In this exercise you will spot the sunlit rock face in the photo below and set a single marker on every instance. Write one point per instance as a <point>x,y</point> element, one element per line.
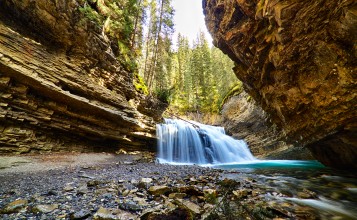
<point>297,59</point>
<point>61,86</point>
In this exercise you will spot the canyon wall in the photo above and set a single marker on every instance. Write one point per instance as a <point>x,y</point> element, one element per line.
<point>242,118</point>
<point>298,60</point>
<point>61,85</point>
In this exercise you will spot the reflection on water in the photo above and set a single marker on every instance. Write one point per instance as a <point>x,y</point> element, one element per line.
<point>331,193</point>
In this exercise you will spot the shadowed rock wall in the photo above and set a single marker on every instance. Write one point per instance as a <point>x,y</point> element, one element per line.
<point>61,86</point>
<point>297,59</point>
<point>244,119</point>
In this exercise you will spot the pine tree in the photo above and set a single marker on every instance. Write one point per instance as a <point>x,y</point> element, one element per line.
<point>157,41</point>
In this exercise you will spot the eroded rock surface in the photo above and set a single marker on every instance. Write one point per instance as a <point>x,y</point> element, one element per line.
<point>244,119</point>
<point>297,59</point>
<point>61,86</point>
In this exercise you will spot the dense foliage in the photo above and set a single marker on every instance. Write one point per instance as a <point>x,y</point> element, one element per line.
<point>122,22</point>
<point>191,76</point>
<point>200,77</point>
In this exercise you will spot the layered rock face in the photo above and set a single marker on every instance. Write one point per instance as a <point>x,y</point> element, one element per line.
<point>61,86</point>
<point>297,59</point>
<point>242,118</point>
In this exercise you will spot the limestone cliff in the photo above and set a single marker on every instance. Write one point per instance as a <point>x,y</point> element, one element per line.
<point>61,86</point>
<point>242,118</point>
<point>297,59</point>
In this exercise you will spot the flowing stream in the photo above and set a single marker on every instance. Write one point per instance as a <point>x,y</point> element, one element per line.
<point>333,194</point>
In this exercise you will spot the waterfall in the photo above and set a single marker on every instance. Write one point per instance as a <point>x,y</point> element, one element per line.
<point>183,142</point>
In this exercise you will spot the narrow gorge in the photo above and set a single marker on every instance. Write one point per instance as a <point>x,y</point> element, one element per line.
<point>97,99</point>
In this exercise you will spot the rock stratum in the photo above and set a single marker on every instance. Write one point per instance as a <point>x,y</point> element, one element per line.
<point>297,59</point>
<point>61,85</point>
<point>242,118</point>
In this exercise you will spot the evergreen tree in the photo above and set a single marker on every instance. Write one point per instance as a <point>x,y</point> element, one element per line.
<point>159,34</point>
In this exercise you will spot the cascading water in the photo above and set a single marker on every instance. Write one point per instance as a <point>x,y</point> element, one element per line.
<point>183,142</point>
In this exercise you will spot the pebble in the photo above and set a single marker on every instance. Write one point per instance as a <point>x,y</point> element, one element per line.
<point>116,194</point>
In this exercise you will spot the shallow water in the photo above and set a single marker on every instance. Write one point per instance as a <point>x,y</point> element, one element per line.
<point>330,193</point>
<point>269,164</point>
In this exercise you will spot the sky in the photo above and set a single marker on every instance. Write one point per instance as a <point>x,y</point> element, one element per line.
<point>189,19</point>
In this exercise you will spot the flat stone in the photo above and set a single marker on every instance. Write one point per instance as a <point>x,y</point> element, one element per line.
<point>82,214</point>
<point>158,190</point>
<point>189,205</point>
<point>113,214</point>
<point>130,206</point>
<point>44,208</point>
<point>146,180</point>
<point>82,190</point>
<point>14,206</point>
<point>177,195</point>
<point>140,201</point>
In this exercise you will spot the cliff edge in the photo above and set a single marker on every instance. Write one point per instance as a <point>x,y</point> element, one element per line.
<point>62,87</point>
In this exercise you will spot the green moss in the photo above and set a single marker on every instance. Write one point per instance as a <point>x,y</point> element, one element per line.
<point>140,84</point>
<point>249,98</point>
<point>91,15</point>
<point>126,57</point>
<point>236,90</point>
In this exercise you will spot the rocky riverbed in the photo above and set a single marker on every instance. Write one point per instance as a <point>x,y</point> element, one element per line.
<point>133,186</point>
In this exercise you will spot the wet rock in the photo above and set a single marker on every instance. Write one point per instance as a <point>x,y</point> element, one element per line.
<point>229,183</point>
<point>241,193</point>
<point>158,190</point>
<point>210,195</point>
<point>15,206</point>
<point>306,194</point>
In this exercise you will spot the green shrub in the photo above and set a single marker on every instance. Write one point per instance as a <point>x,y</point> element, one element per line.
<point>91,14</point>
<point>140,84</point>
<point>235,90</point>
